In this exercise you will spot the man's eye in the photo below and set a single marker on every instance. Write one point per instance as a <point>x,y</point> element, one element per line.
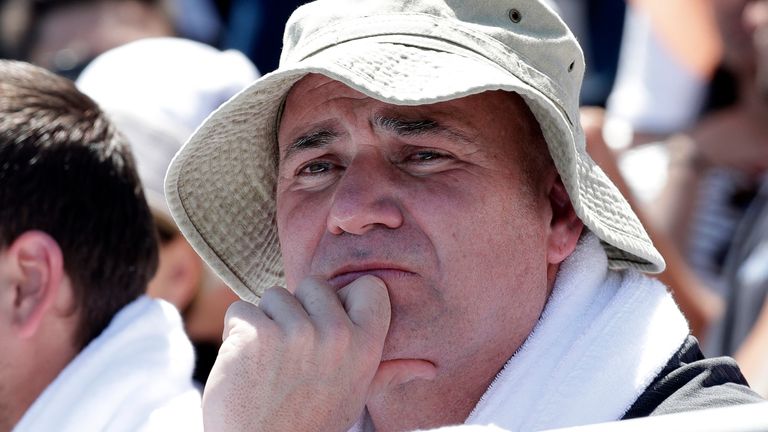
<point>315,168</point>
<point>428,156</point>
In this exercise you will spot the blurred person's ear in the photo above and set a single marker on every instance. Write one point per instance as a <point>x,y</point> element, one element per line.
<point>179,275</point>
<point>31,280</point>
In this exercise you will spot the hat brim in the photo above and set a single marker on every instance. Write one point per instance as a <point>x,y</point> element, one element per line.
<point>221,186</point>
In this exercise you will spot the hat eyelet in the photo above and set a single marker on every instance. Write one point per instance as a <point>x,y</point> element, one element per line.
<point>570,67</point>
<point>514,15</point>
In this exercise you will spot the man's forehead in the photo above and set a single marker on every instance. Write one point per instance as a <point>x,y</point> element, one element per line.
<point>316,83</point>
<point>318,88</point>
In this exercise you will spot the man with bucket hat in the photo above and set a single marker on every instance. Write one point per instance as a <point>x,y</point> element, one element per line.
<point>409,201</point>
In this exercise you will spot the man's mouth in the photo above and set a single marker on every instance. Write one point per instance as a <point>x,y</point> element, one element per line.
<point>386,272</point>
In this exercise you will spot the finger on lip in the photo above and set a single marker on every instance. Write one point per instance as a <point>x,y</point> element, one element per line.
<point>381,275</point>
<point>373,278</point>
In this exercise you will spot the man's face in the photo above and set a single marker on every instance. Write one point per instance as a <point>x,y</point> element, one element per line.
<point>431,199</point>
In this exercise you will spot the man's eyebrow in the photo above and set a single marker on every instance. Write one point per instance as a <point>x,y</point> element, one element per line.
<point>415,127</point>
<point>314,139</point>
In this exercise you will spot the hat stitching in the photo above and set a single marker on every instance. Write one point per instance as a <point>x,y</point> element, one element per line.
<point>214,253</point>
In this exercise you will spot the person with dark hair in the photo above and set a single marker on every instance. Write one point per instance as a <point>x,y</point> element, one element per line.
<point>84,348</point>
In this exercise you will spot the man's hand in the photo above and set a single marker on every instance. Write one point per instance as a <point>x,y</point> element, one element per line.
<point>305,361</point>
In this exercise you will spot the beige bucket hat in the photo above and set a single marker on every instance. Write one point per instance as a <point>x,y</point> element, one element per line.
<point>221,185</point>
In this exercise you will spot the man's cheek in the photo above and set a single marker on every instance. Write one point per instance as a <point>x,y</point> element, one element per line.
<point>297,247</point>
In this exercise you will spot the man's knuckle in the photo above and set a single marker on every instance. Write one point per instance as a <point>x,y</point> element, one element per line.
<point>302,331</point>
<point>339,336</point>
<point>271,295</point>
<point>236,310</point>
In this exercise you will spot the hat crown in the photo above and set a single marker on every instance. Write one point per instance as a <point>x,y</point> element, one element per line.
<point>506,32</point>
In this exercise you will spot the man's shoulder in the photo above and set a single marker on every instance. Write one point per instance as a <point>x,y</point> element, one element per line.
<point>691,382</point>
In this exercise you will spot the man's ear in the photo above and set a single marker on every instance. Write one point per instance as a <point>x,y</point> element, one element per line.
<point>36,268</point>
<point>565,227</point>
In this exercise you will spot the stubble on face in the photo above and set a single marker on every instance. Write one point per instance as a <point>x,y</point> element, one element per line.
<point>471,235</point>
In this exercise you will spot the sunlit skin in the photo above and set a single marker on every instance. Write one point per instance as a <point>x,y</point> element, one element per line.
<point>38,322</point>
<point>433,200</point>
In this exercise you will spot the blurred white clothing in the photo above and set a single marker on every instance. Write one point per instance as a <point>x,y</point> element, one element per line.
<point>135,376</point>
<point>654,93</point>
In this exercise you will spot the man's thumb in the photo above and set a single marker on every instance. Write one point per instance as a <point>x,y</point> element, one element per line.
<point>367,303</point>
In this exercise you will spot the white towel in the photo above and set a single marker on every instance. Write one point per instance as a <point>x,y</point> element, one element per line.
<point>601,340</point>
<point>135,376</point>
<point>603,337</point>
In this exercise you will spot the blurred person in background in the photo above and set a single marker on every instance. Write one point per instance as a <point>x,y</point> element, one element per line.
<point>716,168</point>
<point>65,35</point>
<point>709,201</point>
<point>83,347</point>
<point>669,52</point>
<point>670,56</point>
<point>736,140</point>
<point>157,91</point>
<point>658,91</point>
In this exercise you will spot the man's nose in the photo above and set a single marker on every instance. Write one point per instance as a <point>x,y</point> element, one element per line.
<point>365,198</point>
